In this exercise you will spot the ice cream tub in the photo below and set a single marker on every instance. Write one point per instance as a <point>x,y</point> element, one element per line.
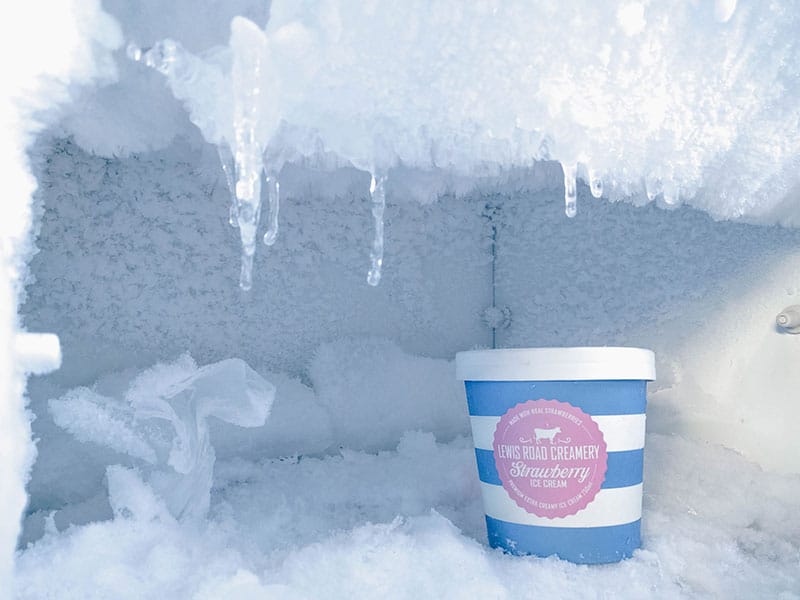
<point>559,441</point>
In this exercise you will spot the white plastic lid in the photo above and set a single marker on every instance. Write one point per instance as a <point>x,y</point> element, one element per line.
<point>556,364</point>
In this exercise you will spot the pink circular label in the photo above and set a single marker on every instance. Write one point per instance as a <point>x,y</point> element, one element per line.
<point>551,457</point>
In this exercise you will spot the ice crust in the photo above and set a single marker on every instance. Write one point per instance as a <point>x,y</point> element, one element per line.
<point>162,422</point>
<point>672,100</point>
<point>669,102</point>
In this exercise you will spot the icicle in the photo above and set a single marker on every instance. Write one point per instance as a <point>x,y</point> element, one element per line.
<point>672,194</point>
<point>652,187</point>
<point>377,192</point>
<point>274,192</point>
<point>570,189</point>
<point>228,167</point>
<point>249,216</point>
<point>248,151</point>
<point>595,184</point>
<point>246,273</point>
<point>544,148</point>
<point>190,77</point>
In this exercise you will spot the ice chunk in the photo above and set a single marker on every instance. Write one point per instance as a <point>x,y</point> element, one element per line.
<point>162,422</point>
<point>229,390</point>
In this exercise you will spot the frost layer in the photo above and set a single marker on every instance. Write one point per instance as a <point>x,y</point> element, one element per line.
<point>671,99</point>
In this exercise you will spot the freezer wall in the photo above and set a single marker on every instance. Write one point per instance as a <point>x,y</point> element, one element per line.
<point>138,263</point>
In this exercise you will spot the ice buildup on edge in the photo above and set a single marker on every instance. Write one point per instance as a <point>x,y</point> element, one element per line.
<point>642,101</point>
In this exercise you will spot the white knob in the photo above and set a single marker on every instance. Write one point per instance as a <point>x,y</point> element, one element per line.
<point>789,319</point>
<point>37,353</point>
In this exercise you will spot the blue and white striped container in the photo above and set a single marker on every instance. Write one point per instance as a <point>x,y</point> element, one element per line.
<point>606,384</point>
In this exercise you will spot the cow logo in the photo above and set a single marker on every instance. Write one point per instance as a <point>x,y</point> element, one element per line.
<point>551,457</point>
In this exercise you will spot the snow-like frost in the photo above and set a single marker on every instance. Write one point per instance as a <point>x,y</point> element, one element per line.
<point>380,511</point>
<point>408,523</point>
<point>90,417</point>
<point>366,393</point>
